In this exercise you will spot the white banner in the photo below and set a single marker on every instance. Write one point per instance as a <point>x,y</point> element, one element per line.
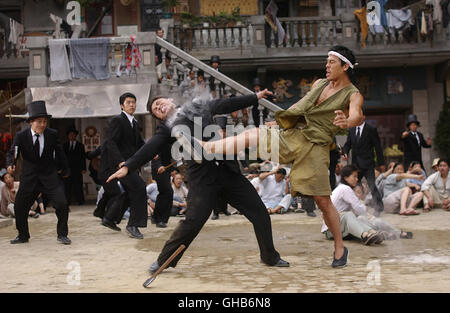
<point>90,101</point>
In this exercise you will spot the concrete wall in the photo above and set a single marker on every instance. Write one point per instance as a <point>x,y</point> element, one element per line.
<point>37,15</point>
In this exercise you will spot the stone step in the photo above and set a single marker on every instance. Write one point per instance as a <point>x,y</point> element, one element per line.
<point>5,222</point>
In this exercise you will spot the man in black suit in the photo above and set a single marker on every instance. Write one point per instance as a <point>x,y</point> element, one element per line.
<point>164,200</point>
<point>206,179</point>
<point>76,156</point>
<point>124,139</point>
<point>41,151</point>
<point>362,140</point>
<point>413,142</point>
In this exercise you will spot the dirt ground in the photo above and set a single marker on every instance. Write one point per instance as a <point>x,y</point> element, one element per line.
<point>224,258</point>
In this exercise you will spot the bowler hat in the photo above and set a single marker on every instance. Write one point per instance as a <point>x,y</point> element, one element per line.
<point>215,58</point>
<point>37,109</point>
<point>412,118</point>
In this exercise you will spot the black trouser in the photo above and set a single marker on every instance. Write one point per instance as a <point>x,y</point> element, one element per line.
<point>202,198</point>
<point>221,205</point>
<point>137,197</point>
<point>308,203</point>
<point>25,198</point>
<point>164,200</point>
<point>369,174</point>
<point>115,201</point>
<point>74,184</point>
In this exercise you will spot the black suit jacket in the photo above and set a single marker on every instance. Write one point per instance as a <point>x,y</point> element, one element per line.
<point>76,157</point>
<point>206,172</point>
<point>43,169</point>
<point>123,140</point>
<point>362,150</point>
<point>412,149</point>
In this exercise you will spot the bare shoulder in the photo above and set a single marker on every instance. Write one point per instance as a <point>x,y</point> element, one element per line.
<point>356,97</point>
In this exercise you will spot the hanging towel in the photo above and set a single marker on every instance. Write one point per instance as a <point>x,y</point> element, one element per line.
<point>399,18</point>
<point>423,24</point>
<point>437,10</point>
<point>361,14</point>
<point>89,58</point>
<point>383,18</point>
<point>59,61</point>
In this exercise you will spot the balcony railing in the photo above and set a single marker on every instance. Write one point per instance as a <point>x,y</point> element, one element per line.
<point>303,32</point>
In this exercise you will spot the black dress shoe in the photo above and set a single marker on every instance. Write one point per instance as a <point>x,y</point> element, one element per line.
<point>110,224</point>
<point>281,263</point>
<point>311,214</point>
<point>342,261</point>
<point>161,225</point>
<point>134,232</point>
<point>18,240</point>
<point>64,240</point>
<point>215,217</point>
<point>152,219</point>
<point>154,267</point>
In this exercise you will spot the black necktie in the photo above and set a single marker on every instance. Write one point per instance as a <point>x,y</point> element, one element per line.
<point>36,146</point>
<point>357,134</point>
<point>134,125</point>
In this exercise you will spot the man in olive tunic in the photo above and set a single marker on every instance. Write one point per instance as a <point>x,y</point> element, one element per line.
<point>308,129</point>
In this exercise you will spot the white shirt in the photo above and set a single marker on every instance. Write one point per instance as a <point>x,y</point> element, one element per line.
<point>344,199</point>
<point>130,118</point>
<point>41,141</point>
<point>415,134</point>
<point>256,182</point>
<point>271,190</point>
<point>437,182</point>
<point>361,127</point>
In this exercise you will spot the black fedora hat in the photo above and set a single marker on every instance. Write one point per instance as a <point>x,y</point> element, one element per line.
<point>37,109</point>
<point>412,118</point>
<point>215,58</point>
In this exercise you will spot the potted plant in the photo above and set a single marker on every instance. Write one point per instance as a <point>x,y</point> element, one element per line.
<point>236,16</point>
<point>168,6</point>
<point>186,19</point>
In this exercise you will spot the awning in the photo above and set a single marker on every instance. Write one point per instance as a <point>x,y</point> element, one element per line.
<point>90,101</point>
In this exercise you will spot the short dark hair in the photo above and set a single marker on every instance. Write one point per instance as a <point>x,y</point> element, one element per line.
<point>346,171</point>
<point>346,52</point>
<point>151,103</point>
<point>281,171</point>
<point>442,160</point>
<point>126,95</point>
<point>397,164</point>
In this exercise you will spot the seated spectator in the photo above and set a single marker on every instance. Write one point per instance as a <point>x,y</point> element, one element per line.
<point>415,168</point>
<point>437,188</point>
<point>397,194</point>
<point>274,191</point>
<point>8,198</point>
<point>345,200</point>
<point>434,166</point>
<point>179,196</point>
<point>152,194</point>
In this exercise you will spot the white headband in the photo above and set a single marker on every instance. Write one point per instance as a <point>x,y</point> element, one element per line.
<point>340,56</point>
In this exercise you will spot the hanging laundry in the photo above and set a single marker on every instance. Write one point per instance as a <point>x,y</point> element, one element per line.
<point>361,14</point>
<point>130,60</point>
<point>397,19</point>
<point>437,10</point>
<point>383,18</point>
<point>423,24</point>
<point>89,58</point>
<point>445,12</point>
<point>59,61</point>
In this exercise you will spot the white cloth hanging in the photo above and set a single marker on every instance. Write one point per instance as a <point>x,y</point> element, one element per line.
<point>59,61</point>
